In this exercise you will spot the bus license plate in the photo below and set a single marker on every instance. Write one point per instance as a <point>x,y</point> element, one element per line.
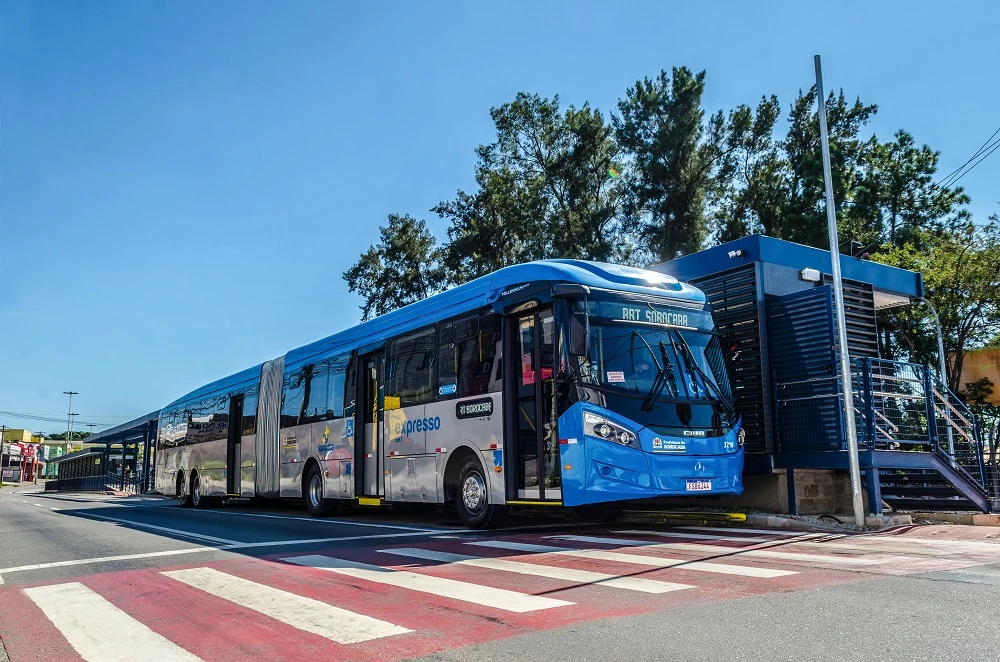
<point>699,485</point>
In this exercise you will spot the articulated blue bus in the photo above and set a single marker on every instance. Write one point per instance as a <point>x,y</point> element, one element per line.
<point>559,382</point>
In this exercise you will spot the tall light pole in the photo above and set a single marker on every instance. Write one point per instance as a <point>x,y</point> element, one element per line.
<point>70,434</point>
<point>838,298</point>
<point>69,416</point>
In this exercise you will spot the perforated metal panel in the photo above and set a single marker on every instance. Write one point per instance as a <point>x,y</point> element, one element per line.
<point>859,312</point>
<point>807,394</point>
<point>734,298</point>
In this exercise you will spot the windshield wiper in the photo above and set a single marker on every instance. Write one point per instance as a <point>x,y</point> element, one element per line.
<point>664,376</point>
<point>692,365</point>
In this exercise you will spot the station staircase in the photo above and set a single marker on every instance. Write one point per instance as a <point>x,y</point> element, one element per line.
<point>920,447</point>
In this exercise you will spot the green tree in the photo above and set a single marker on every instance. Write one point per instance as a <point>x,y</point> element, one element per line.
<point>660,124</point>
<point>404,267</point>
<point>547,188</point>
<point>751,173</point>
<point>61,436</point>
<point>961,271</point>
<point>803,217</point>
<point>895,198</point>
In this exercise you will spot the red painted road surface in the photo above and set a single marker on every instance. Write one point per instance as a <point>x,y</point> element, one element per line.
<point>419,615</point>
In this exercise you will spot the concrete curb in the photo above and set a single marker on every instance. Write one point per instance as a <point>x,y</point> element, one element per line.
<point>968,519</point>
<point>763,520</point>
<point>792,524</point>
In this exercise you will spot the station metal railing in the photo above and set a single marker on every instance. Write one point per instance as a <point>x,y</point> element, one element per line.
<point>111,482</point>
<point>898,406</point>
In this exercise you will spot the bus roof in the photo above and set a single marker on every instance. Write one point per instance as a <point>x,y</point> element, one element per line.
<point>469,296</point>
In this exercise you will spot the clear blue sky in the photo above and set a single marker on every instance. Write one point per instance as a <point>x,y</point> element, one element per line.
<point>184,183</point>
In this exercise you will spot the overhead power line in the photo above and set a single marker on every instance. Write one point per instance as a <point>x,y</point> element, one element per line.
<point>994,148</point>
<point>984,150</point>
<point>47,419</point>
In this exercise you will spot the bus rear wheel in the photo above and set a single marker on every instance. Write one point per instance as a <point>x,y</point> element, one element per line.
<point>198,498</point>
<point>317,504</point>
<point>182,492</point>
<point>473,504</point>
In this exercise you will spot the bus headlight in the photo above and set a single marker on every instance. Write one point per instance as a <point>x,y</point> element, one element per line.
<point>602,428</point>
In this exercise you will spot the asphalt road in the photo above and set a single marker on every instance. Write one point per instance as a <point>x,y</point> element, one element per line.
<point>249,582</point>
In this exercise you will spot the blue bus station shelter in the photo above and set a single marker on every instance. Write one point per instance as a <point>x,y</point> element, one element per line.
<point>773,305</point>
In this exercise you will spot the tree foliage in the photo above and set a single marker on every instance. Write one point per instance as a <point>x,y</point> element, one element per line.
<point>404,267</point>
<point>662,177</point>
<point>661,125</point>
<point>546,189</point>
<point>961,271</point>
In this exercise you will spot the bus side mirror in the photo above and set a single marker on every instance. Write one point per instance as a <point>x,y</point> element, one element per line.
<point>579,334</point>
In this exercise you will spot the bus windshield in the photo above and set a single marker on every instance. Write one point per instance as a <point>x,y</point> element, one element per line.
<point>655,371</point>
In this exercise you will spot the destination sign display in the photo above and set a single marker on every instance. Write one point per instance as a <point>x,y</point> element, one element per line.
<point>474,408</point>
<point>647,313</point>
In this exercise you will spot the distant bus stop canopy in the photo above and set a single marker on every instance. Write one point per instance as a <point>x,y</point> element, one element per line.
<point>132,433</point>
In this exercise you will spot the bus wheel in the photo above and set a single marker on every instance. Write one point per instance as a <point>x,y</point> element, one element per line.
<point>473,506</point>
<point>182,492</point>
<point>316,502</point>
<point>595,513</point>
<point>198,499</point>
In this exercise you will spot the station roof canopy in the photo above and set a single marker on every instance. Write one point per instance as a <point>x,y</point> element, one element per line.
<point>129,431</point>
<point>76,455</point>
<point>891,286</point>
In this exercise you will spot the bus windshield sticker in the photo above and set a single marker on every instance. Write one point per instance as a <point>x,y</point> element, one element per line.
<point>448,389</point>
<point>474,408</point>
<point>616,377</point>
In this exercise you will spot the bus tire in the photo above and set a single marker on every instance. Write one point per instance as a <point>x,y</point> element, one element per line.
<point>182,492</point>
<point>597,513</point>
<point>472,500</point>
<point>317,504</point>
<point>198,497</point>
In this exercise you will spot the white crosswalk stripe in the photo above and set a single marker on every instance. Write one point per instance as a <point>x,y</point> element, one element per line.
<point>100,631</point>
<point>803,557</point>
<point>568,574</point>
<point>448,588</point>
<point>868,544</point>
<point>340,625</point>
<point>705,536</point>
<point>742,530</point>
<point>637,559</point>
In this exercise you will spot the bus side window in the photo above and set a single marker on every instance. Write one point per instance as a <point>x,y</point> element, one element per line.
<point>335,394</point>
<point>487,374</point>
<point>291,398</point>
<point>249,423</point>
<point>411,368</point>
<point>458,358</point>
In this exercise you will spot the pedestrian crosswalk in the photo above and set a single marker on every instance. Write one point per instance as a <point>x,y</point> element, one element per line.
<point>99,630</point>
<point>487,596</point>
<point>387,602</point>
<point>639,559</point>
<point>552,572</point>
<point>340,625</point>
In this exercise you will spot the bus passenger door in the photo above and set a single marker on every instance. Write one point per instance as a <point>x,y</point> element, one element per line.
<point>234,436</point>
<point>368,417</point>
<point>532,448</point>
